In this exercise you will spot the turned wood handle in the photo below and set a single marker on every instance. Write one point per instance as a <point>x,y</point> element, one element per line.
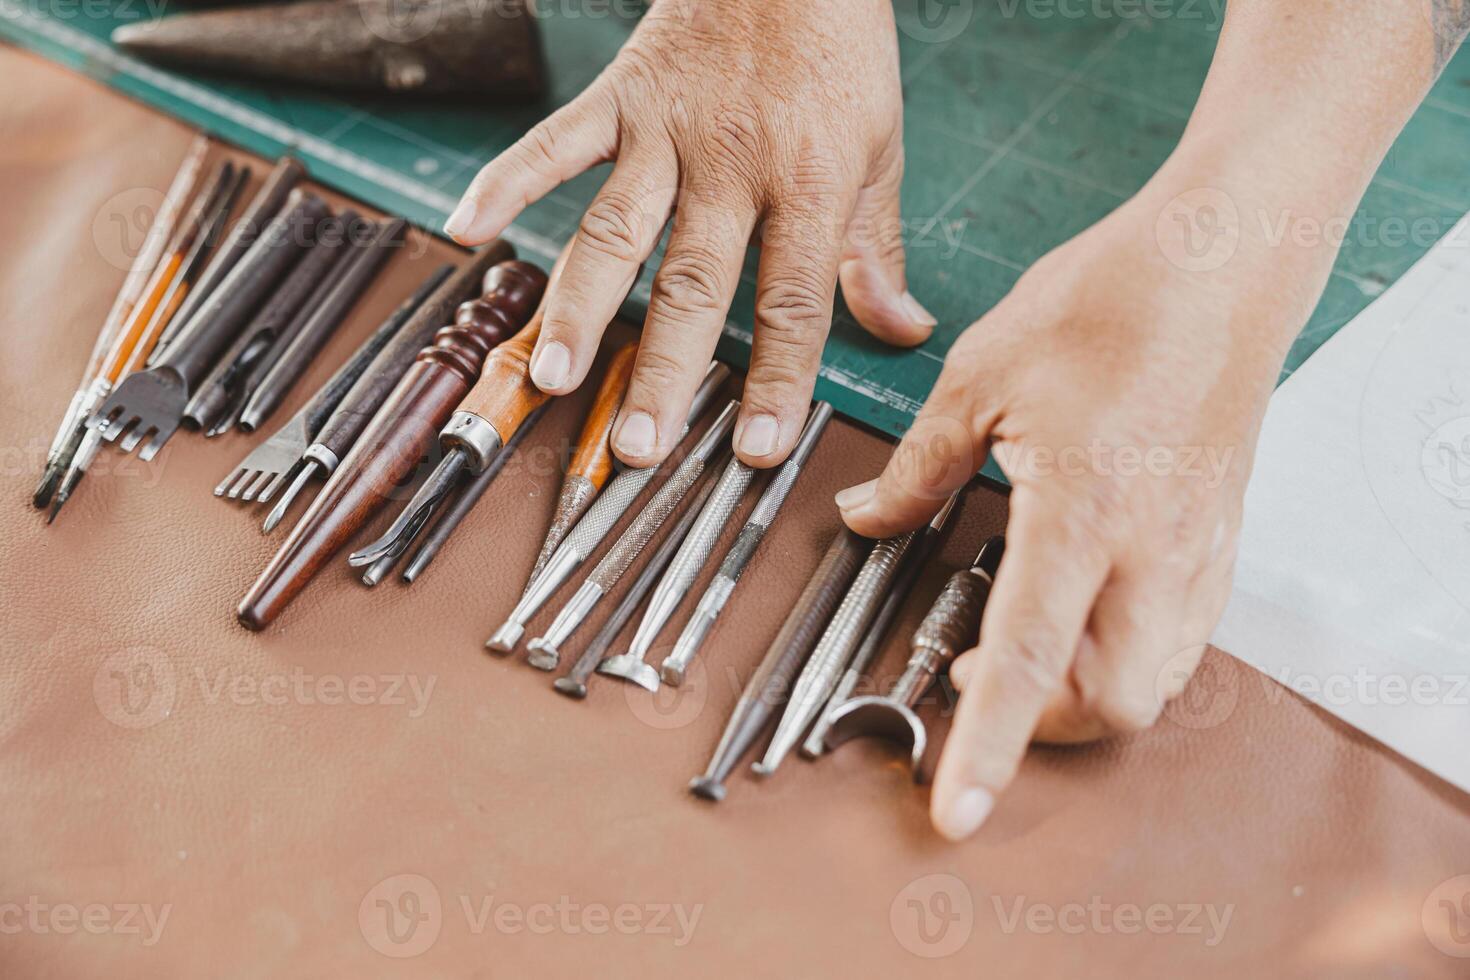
<point>365,397</point>
<point>594,457</point>
<point>394,442</point>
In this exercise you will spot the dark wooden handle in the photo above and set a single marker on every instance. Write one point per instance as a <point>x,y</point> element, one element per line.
<point>593,460</point>
<point>394,443</point>
<point>362,402</point>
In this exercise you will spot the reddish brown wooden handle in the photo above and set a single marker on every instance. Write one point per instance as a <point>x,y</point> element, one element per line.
<point>395,441</point>
<point>593,460</point>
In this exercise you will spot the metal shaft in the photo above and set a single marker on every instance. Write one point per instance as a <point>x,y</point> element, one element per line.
<point>717,594</point>
<point>770,683</point>
<point>923,548</point>
<point>676,582</point>
<point>584,539</point>
<point>574,684</point>
<point>545,650</point>
<point>834,649</point>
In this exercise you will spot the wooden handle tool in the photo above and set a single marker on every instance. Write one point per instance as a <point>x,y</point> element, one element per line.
<point>592,465</point>
<point>390,448</point>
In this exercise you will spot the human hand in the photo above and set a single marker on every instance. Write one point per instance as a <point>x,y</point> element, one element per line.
<point>782,115</point>
<point>1122,395</point>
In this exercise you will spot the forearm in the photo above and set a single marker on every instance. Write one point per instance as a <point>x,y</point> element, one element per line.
<point>1302,102</point>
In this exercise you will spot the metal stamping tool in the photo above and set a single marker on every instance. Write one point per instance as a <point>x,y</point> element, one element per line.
<point>224,390</point>
<point>546,649</point>
<point>266,203</point>
<point>358,407</point>
<point>738,557</point>
<point>674,586</point>
<point>151,402</point>
<point>951,627</point>
<point>767,688</point>
<point>926,542</point>
<point>588,533</point>
<point>835,648</point>
<point>574,684</point>
<point>264,471</point>
<point>73,423</point>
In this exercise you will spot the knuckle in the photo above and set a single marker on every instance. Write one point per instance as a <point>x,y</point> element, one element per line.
<point>689,284</point>
<point>538,148</point>
<point>793,304</point>
<point>657,371</point>
<point>1125,713</point>
<point>611,227</point>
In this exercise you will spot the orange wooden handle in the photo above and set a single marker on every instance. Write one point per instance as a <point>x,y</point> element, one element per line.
<point>505,394</point>
<point>594,458</point>
<point>125,354</point>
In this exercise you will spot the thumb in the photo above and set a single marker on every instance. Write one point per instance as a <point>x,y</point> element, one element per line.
<point>872,274</point>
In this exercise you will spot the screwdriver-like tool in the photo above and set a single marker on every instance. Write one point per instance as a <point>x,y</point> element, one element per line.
<point>574,683</point>
<point>393,444</point>
<point>592,465</point>
<point>588,533</point>
<point>768,687</point>
<point>835,648</point>
<point>361,403</point>
<point>674,586</point>
<point>88,394</point>
<point>926,542</point>
<point>951,626</point>
<point>487,417</point>
<point>718,593</point>
<point>546,649</point>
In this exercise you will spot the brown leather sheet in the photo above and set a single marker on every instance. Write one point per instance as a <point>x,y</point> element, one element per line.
<point>184,798</point>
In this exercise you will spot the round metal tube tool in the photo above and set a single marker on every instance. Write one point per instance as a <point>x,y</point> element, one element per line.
<point>588,533</point>
<point>546,649</point>
<point>926,542</point>
<point>717,594</point>
<point>835,648</point>
<point>951,627</point>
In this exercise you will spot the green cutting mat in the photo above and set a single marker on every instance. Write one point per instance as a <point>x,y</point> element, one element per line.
<point>1020,133</point>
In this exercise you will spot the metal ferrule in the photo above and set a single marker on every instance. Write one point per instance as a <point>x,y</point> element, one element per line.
<point>322,456</point>
<point>572,615</point>
<point>695,632</point>
<point>479,440</point>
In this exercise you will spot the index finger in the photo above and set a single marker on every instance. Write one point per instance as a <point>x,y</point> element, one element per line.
<point>1043,595</point>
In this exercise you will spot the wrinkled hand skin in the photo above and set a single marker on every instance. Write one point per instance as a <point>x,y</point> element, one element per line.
<point>1122,395</point>
<point>773,121</point>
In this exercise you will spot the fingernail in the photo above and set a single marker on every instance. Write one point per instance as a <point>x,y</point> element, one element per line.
<point>917,313</point>
<point>551,366</point>
<point>636,436</point>
<point>854,497</point>
<point>459,221</point>
<point>758,436</point>
<point>965,813</point>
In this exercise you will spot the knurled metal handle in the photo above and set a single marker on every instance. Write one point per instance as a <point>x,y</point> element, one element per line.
<point>641,531</point>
